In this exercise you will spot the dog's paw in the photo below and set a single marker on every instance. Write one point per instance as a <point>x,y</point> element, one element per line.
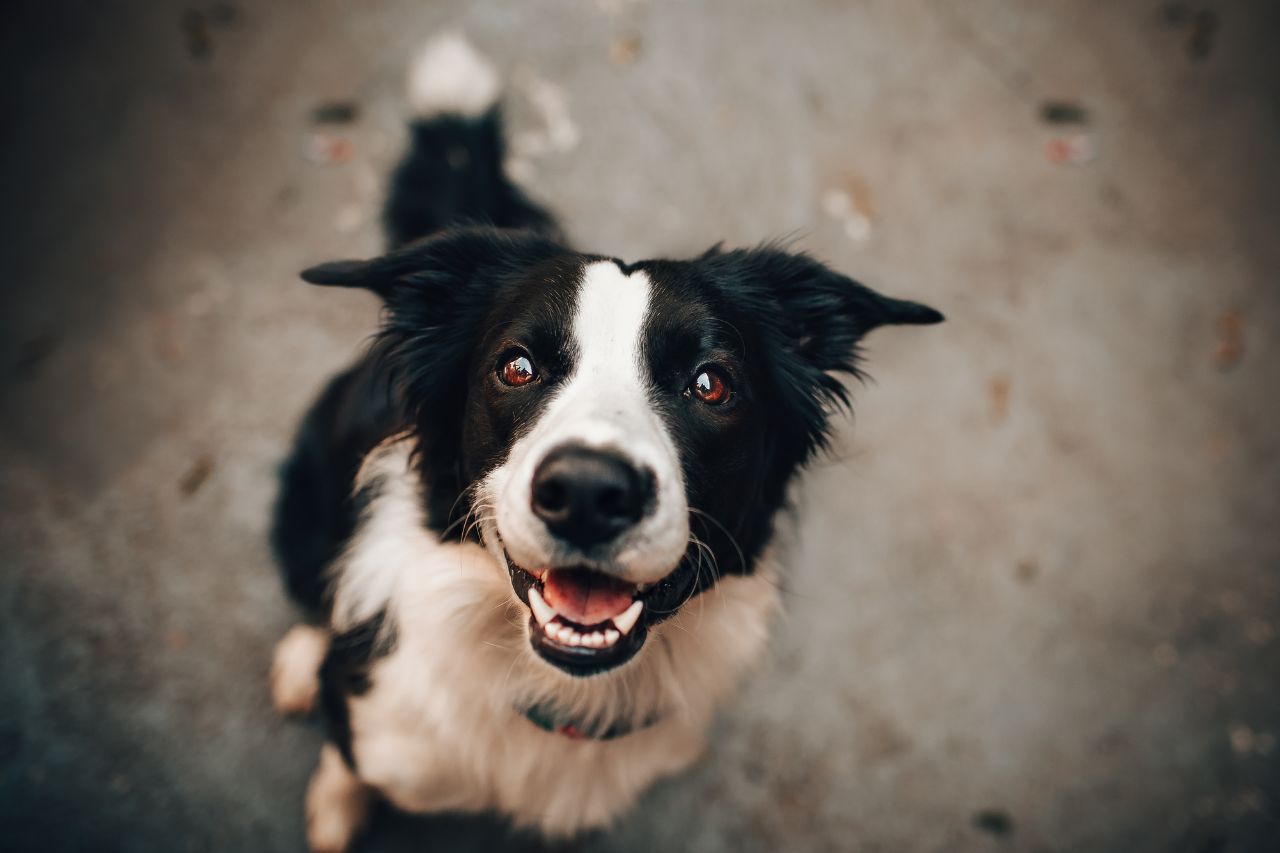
<point>329,832</point>
<point>295,669</point>
<point>337,804</point>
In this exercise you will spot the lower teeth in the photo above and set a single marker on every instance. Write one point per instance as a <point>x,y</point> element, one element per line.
<point>565,635</point>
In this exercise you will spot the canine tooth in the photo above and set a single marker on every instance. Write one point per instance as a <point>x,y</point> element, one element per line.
<point>542,611</point>
<point>626,620</point>
<point>610,636</point>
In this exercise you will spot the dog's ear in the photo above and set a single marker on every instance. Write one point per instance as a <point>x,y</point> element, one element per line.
<point>438,263</point>
<point>812,319</point>
<point>825,314</point>
<point>437,293</point>
<point>810,309</point>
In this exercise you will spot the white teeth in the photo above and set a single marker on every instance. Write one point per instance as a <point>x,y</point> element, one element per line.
<point>626,620</point>
<point>541,610</point>
<point>548,620</point>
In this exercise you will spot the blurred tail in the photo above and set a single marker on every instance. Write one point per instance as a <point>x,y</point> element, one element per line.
<point>453,173</point>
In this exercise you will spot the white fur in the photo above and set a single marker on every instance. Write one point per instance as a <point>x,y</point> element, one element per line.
<point>439,728</point>
<point>450,77</point>
<point>295,669</point>
<point>604,405</point>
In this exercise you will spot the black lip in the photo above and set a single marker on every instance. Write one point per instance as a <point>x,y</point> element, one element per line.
<point>575,660</point>
<point>580,661</point>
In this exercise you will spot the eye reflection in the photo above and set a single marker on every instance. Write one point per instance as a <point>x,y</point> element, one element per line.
<point>710,386</point>
<point>517,370</point>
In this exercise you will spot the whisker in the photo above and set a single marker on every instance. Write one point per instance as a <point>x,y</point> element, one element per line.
<point>461,496</point>
<point>742,559</point>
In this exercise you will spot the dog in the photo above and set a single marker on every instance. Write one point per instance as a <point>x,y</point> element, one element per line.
<point>532,523</point>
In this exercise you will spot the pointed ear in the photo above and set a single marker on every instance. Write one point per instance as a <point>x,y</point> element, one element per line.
<point>376,274</point>
<point>810,320</point>
<point>826,314</point>
<point>369,275</point>
<point>899,312</point>
<point>340,273</point>
<point>445,258</point>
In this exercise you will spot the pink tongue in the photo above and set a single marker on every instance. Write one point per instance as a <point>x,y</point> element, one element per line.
<point>586,597</point>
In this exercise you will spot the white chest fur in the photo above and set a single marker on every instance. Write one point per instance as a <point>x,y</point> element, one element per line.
<point>439,727</point>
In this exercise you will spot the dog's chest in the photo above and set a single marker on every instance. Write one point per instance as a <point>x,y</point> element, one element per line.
<point>440,735</point>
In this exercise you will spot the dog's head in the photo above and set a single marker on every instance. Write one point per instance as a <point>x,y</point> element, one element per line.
<point>621,435</point>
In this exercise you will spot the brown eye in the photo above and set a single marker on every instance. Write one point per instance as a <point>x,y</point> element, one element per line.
<point>710,386</point>
<point>517,370</point>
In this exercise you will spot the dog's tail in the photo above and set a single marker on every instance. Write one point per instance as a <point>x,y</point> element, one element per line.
<point>453,171</point>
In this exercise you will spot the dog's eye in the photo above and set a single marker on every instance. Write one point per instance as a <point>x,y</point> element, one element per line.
<point>710,386</point>
<point>516,370</point>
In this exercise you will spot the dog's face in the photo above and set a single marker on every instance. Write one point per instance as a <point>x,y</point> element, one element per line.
<point>621,435</point>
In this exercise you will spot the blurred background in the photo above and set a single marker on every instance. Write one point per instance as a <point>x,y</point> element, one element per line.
<point>1034,595</point>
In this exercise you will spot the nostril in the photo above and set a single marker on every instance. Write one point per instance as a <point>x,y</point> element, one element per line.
<point>551,496</point>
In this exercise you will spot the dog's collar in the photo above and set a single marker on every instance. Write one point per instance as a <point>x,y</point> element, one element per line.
<point>548,719</point>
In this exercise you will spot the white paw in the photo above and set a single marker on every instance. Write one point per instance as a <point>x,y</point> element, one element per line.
<point>337,804</point>
<point>295,669</point>
<point>328,832</point>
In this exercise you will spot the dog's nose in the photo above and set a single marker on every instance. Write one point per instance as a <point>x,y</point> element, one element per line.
<point>587,497</point>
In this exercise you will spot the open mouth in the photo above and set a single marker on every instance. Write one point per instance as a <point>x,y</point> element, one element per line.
<point>580,620</point>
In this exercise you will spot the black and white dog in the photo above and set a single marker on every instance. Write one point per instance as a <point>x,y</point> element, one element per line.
<point>533,522</point>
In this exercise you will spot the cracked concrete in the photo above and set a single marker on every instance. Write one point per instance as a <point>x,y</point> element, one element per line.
<point>1034,597</point>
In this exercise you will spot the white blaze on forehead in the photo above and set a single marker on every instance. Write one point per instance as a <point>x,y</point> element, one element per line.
<point>605,403</point>
<point>608,325</point>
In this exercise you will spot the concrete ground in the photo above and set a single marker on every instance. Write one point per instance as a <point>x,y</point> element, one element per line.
<point>1034,599</point>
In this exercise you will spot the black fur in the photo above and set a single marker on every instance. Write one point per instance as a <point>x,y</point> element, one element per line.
<point>345,673</point>
<point>453,175</point>
<point>316,512</point>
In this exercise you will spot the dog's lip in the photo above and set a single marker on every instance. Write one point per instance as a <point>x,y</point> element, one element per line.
<point>531,588</point>
<point>573,647</point>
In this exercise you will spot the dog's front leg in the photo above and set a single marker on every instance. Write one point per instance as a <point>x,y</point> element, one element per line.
<point>337,804</point>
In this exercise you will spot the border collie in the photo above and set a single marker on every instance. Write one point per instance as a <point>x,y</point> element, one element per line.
<point>532,523</point>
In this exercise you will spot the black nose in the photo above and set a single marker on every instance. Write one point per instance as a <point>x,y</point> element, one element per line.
<point>587,497</point>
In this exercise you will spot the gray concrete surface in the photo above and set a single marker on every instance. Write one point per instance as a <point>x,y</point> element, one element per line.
<point>1034,598</point>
